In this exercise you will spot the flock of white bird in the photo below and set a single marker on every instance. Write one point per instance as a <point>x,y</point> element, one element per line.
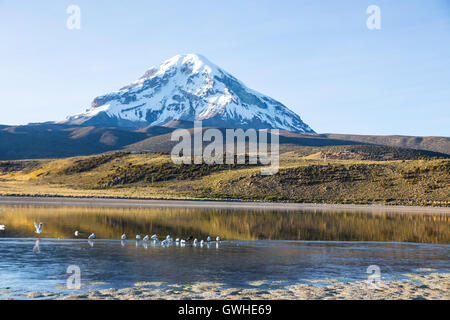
<point>154,238</point>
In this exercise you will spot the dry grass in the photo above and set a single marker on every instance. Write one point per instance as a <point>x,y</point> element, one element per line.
<point>301,179</point>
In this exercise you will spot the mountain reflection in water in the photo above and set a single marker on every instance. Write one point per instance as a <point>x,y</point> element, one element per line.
<point>111,223</point>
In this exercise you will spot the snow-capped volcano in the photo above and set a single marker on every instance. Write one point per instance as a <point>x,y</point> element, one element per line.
<point>189,87</point>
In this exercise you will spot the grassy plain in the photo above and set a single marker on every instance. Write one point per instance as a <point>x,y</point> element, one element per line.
<point>304,177</point>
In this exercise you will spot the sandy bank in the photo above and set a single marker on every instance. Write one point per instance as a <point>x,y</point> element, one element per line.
<point>435,286</point>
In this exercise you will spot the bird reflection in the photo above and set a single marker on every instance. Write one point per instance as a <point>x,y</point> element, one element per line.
<point>36,247</point>
<point>194,242</point>
<point>91,242</point>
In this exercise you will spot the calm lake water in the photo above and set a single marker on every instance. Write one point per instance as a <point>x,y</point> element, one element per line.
<point>258,245</point>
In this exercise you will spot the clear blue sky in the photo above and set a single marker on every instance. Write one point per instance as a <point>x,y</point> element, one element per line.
<point>316,56</point>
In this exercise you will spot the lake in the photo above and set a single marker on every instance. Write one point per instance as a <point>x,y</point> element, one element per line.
<point>256,245</point>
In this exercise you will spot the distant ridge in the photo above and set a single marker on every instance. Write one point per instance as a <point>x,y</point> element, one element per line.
<point>436,144</point>
<point>56,141</point>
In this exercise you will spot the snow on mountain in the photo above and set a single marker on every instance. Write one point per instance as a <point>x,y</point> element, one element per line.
<point>189,87</point>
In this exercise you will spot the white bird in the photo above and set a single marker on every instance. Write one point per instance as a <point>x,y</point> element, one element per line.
<point>202,242</point>
<point>208,239</point>
<point>182,241</point>
<point>146,238</point>
<point>164,242</point>
<point>195,241</point>
<point>177,240</point>
<point>154,237</point>
<point>123,237</point>
<point>38,227</point>
<point>2,227</point>
<point>77,233</point>
<point>218,239</point>
<point>138,237</point>
<point>92,236</point>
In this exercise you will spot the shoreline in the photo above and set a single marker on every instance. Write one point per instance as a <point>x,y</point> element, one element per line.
<point>213,204</point>
<point>431,286</point>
